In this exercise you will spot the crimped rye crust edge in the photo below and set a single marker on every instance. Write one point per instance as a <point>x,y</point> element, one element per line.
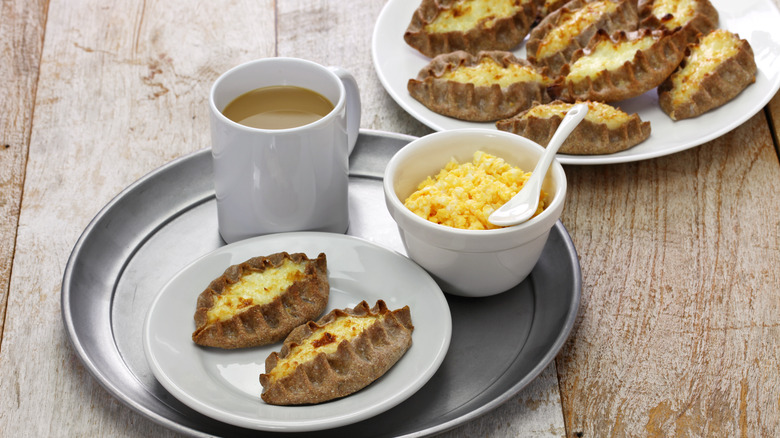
<point>354,365</point>
<point>264,324</point>
<point>505,34</point>
<point>625,17</point>
<point>705,20</point>
<point>725,83</point>
<point>648,69</point>
<point>466,101</point>
<point>588,138</point>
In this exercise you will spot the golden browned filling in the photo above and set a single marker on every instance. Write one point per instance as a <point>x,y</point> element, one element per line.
<point>572,23</point>
<point>608,55</point>
<point>469,14</point>
<point>547,7</point>
<point>705,57</point>
<point>682,11</point>
<point>325,340</point>
<point>255,288</point>
<point>489,72</point>
<point>598,112</point>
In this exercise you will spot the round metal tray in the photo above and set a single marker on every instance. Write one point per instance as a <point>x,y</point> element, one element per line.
<point>168,218</point>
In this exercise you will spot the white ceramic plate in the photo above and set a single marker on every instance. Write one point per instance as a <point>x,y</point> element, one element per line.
<point>757,21</point>
<point>224,385</point>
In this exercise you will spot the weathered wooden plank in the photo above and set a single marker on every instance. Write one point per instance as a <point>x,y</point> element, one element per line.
<point>123,89</point>
<point>339,33</point>
<point>678,333</point>
<point>22,26</point>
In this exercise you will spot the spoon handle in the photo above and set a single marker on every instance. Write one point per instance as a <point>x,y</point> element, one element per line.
<point>525,202</point>
<point>573,118</point>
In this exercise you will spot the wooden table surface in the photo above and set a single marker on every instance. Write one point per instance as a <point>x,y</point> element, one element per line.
<point>678,333</point>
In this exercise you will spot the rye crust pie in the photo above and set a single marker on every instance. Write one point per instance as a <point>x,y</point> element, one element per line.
<point>261,300</point>
<point>604,130</point>
<point>555,39</point>
<point>486,87</point>
<point>620,66</point>
<point>443,26</point>
<point>338,355</point>
<point>714,72</point>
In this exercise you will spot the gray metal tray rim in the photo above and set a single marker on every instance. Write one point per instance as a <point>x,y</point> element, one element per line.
<point>148,178</point>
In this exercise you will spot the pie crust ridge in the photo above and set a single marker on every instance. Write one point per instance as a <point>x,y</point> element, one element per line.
<point>648,69</point>
<point>728,79</point>
<point>268,323</point>
<point>466,101</point>
<point>355,364</point>
<point>505,34</point>
<point>705,20</point>
<point>625,17</point>
<point>587,138</point>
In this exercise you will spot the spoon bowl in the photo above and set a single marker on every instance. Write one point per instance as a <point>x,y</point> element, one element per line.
<point>523,205</point>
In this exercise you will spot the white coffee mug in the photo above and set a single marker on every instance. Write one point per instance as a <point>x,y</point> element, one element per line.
<point>279,180</point>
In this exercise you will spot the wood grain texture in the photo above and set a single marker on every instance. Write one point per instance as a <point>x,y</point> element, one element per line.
<point>339,33</point>
<point>122,90</point>
<point>22,25</point>
<point>679,329</point>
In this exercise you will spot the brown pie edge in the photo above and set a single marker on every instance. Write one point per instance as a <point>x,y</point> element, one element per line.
<point>354,365</point>
<point>648,69</point>
<point>625,17</point>
<point>264,324</point>
<point>466,101</point>
<point>505,34</point>
<point>588,138</point>
<point>727,81</point>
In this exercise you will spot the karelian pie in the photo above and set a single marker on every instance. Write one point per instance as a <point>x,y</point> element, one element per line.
<point>338,355</point>
<point>604,130</point>
<point>443,26</point>
<point>553,42</point>
<point>620,66</point>
<point>489,86</point>
<point>261,300</point>
<point>715,71</point>
<point>692,17</point>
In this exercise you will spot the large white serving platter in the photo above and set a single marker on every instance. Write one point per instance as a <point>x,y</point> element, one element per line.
<point>757,21</point>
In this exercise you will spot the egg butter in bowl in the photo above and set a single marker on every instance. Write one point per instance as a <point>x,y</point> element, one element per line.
<point>441,188</point>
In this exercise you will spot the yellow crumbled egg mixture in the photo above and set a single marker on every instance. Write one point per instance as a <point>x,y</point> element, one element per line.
<point>682,11</point>
<point>572,23</point>
<point>464,195</point>
<point>598,112</point>
<point>489,72</point>
<point>325,340</point>
<point>256,288</point>
<point>467,14</point>
<point>705,57</point>
<point>608,55</point>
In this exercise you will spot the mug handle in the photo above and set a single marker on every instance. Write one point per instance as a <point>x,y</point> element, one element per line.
<point>353,105</point>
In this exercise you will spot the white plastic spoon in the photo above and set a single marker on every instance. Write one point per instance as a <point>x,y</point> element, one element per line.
<point>523,205</point>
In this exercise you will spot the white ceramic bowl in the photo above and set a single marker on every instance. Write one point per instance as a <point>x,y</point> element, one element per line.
<point>470,263</point>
